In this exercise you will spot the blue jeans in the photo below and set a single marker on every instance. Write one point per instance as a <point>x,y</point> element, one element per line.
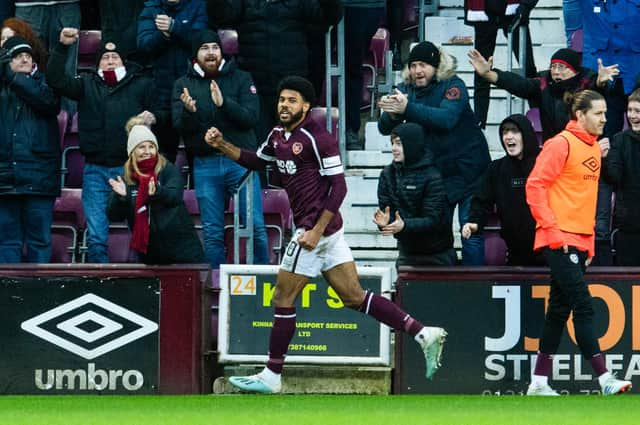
<point>216,178</point>
<point>95,199</point>
<point>26,219</point>
<point>472,248</point>
<point>572,17</point>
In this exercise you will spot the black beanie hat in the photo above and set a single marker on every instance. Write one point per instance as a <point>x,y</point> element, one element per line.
<point>16,45</point>
<point>301,85</point>
<point>426,52</point>
<point>203,37</point>
<point>568,57</point>
<point>108,47</point>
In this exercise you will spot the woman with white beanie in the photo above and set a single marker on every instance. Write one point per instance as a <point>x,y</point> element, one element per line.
<point>150,198</point>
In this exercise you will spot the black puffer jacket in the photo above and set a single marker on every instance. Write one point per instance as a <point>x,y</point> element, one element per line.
<point>236,118</point>
<point>272,35</point>
<point>415,189</point>
<point>503,185</point>
<point>29,138</point>
<point>102,110</point>
<point>547,95</point>
<point>621,169</point>
<point>172,238</point>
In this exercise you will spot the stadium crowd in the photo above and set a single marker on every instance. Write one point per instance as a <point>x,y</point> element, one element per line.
<point>162,66</point>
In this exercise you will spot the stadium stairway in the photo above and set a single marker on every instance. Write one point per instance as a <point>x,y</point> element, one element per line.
<point>363,167</point>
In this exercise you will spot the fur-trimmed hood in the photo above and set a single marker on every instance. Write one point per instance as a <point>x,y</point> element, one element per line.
<point>446,69</point>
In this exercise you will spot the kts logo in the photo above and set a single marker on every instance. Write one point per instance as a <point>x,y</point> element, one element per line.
<point>61,327</point>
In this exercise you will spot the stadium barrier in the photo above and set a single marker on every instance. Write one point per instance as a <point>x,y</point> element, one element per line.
<point>494,318</point>
<point>106,329</point>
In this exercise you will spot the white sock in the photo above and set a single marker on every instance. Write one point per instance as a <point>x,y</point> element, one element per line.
<point>269,376</point>
<point>422,335</point>
<point>539,380</point>
<point>603,378</point>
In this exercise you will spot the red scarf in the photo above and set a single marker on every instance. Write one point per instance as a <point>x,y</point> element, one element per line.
<point>140,236</point>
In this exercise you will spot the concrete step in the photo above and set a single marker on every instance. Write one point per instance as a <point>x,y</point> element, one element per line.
<point>369,241</point>
<point>368,159</point>
<point>312,379</point>
<point>542,4</point>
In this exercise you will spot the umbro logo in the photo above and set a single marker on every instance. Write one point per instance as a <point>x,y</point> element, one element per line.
<point>592,164</point>
<point>89,326</point>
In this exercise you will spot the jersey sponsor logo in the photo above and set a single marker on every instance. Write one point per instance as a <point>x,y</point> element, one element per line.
<point>592,164</point>
<point>296,148</point>
<point>331,161</point>
<point>453,93</point>
<point>574,258</point>
<point>253,89</point>
<point>518,181</point>
<point>287,167</point>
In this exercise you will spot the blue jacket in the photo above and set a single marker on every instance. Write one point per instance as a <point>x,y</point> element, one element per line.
<point>451,130</point>
<point>172,56</point>
<point>610,33</point>
<point>29,137</point>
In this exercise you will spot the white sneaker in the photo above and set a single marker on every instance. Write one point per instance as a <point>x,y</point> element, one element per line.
<point>255,384</point>
<point>541,389</point>
<point>431,340</point>
<point>612,386</point>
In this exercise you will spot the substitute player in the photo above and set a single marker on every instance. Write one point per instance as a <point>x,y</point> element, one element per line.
<point>308,161</point>
<point>562,190</point>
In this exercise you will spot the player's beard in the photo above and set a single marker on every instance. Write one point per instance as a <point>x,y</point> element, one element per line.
<point>292,118</point>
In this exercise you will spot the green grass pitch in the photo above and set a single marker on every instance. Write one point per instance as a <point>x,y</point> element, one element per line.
<point>318,409</point>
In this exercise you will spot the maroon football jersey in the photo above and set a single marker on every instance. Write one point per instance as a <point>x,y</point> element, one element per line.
<point>304,160</point>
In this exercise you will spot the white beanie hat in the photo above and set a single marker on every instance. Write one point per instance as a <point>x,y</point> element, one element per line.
<point>138,134</point>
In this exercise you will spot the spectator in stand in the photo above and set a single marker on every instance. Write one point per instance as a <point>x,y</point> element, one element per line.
<point>488,17</point>
<point>15,26</point>
<point>412,203</point>
<point>165,30</point>
<point>216,93</point>
<point>150,198</point>
<point>503,187</point>
<point>106,99</point>
<point>620,168</point>
<point>29,156</point>
<point>361,21</point>
<point>272,37</point>
<point>437,99</point>
<point>119,22</point>
<point>547,91</point>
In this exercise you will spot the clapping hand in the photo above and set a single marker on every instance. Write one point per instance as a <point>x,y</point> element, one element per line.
<point>394,227</point>
<point>188,102</point>
<point>381,218</point>
<point>118,186</point>
<point>216,94</point>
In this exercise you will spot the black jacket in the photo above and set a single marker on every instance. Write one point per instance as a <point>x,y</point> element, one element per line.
<point>29,137</point>
<point>621,168</point>
<point>503,185</point>
<point>102,110</point>
<point>236,118</point>
<point>547,95</point>
<point>272,35</point>
<point>415,189</point>
<point>172,237</point>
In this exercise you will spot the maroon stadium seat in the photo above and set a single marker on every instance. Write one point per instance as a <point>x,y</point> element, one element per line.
<point>72,160</point>
<point>68,223</point>
<point>88,45</point>
<point>495,248</point>
<point>117,245</point>
<point>576,43</point>
<point>533,115</point>
<point>229,40</point>
<point>63,123</point>
<point>182,164</point>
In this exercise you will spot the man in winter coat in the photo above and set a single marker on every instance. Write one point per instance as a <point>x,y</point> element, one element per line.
<point>620,168</point>
<point>272,37</point>
<point>437,99</point>
<point>29,156</point>
<point>412,203</point>
<point>165,30</point>
<point>503,186</point>
<point>215,93</point>
<point>547,90</point>
<point>106,99</point>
